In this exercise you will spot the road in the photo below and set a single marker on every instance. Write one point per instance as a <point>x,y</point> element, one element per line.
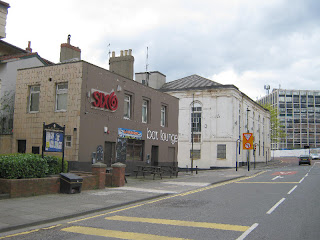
<point>277,203</point>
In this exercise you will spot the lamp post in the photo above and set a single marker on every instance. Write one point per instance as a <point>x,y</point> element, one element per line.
<point>238,142</point>
<point>248,162</point>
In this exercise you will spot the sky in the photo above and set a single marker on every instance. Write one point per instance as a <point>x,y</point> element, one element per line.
<point>247,43</point>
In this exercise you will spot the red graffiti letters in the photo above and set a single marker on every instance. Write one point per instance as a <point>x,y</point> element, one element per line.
<point>105,101</point>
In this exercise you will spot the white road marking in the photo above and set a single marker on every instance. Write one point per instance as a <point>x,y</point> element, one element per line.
<point>301,180</point>
<point>292,189</point>
<point>276,177</point>
<point>145,190</point>
<point>246,233</point>
<point>194,184</point>
<point>275,206</point>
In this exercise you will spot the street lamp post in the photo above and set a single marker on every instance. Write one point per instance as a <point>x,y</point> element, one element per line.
<point>248,162</point>
<point>238,142</point>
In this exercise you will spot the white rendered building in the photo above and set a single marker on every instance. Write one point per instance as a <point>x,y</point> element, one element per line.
<point>216,116</point>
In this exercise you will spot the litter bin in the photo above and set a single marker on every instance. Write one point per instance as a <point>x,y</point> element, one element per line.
<point>70,183</point>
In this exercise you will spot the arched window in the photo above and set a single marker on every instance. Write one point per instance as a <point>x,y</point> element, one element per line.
<point>196,112</point>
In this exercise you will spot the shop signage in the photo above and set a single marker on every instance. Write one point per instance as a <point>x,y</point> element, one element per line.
<point>128,133</point>
<point>162,136</point>
<point>104,100</point>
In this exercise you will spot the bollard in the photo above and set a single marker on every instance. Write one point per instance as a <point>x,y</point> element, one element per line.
<point>196,169</point>
<point>99,169</point>
<point>118,174</point>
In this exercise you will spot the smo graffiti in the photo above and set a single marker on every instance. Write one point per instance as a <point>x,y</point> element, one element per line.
<point>165,137</point>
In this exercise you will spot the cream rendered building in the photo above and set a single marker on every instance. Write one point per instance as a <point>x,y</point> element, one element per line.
<point>219,115</point>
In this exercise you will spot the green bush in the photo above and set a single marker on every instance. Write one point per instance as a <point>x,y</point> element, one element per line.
<point>55,164</point>
<point>14,166</point>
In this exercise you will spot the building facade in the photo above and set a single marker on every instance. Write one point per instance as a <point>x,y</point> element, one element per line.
<point>299,115</point>
<point>101,110</point>
<point>13,58</point>
<point>212,120</point>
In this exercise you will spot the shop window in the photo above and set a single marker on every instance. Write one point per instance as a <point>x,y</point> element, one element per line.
<point>145,111</point>
<point>34,98</point>
<point>163,120</point>
<point>68,141</point>
<point>221,151</point>
<point>61,96</point>
<point>134,150</point>
<point>127,106</point>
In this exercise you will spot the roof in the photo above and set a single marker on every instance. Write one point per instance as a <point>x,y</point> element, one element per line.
<point>5,58</point>
<point>4,4</point>
<point>190,82</point>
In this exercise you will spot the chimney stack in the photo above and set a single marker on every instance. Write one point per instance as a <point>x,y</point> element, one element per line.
<point>69,52</point>
<point>29,49</point>
<point>122,65</point>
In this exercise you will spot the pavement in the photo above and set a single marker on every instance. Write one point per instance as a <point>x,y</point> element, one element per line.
<point>18,213</point>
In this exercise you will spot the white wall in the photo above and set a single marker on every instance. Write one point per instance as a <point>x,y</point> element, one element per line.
<point>294,152</point>
<point>8,72</point>
<point>220,125</point>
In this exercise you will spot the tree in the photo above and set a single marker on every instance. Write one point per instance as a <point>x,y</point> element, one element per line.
<point>277,132</point>
<point>6,112</point>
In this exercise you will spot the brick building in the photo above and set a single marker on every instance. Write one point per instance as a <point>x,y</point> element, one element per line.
<point>132,123</point>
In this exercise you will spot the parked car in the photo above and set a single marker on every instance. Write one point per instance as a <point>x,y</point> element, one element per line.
<point>304,159</point>
<point>315,156</point>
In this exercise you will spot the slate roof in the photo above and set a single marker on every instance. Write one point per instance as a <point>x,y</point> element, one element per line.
<point>191,82</point>
<point>5,58</point>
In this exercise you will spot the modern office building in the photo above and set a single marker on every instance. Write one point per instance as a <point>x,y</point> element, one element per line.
<point>299,115</point>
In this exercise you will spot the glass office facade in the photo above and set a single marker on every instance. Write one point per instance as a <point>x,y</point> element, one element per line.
<point>299,115</point>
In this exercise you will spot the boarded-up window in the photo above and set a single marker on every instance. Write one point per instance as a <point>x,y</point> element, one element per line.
<point>221,151</point>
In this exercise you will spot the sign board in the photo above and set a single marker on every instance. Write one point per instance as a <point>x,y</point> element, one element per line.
<point>54,141</point>
<point>128,133</point>
<point>247,141</point>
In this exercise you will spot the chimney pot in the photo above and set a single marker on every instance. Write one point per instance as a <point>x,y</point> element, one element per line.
<point>29,49</point>
<point>126,52</point>
<point>68,41</point>
<point>130,52</point>
<point>121,53</point>
<point>113,54</point>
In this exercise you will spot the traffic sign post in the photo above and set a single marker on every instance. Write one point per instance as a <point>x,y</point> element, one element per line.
<point>247,144</point>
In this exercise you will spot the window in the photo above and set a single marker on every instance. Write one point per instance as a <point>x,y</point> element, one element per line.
<point>145,106</point>
<point>127,106</point>
<point>221,151</point>
<point>196,154</point>
<point>34,98</point>
<point>68,141</point>
<point>134,150</point>
<point>196,112</point>
<point>163,120</point>
<point>61,96</point>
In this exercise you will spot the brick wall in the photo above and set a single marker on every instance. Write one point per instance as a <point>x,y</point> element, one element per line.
<point>28,126</point>
<point>30,187</point>
<point>40,186</point>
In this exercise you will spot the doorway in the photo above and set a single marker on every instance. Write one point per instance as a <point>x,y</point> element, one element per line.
<point>22,146</point>
<point>154,155</point>
<point>109,153</point>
